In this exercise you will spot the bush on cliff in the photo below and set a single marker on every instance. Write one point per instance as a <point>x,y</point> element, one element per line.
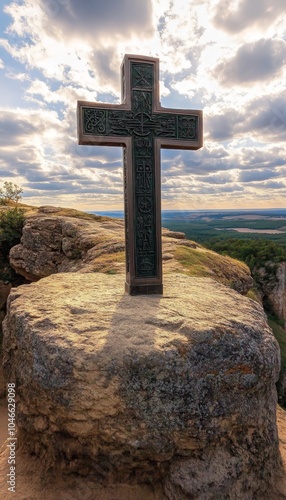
<point>11,218</point>
<point>11,225</point>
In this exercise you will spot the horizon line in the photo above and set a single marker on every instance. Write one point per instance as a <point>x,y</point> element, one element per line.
<point>201,209</point>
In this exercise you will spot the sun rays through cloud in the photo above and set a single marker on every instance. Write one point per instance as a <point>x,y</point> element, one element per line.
<point>226,57</point>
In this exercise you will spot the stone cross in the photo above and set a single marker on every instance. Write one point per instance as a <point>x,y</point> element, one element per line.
<point>142,127</point>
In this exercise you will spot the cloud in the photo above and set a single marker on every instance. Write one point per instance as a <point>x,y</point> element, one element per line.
<point>219,178</point>
<point>274,185</point>
<point>263,118</point>
<point>99,18</point>
<point>253,62</point>
<point>257,175</point>
<point>6,173</point>
<point>26,137</point>
<point>257,157</point>
<point>234,17</point>
<point>59,51</point>
<point>268,115</point>
<point>222,127</point>
<point>104,63</point>
<point>79,43</point>
<point>12,131</point>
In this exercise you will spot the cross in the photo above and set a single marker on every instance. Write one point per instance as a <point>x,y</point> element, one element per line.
<point>142,127</point>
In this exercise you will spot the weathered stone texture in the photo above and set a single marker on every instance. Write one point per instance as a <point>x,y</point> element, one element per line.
<point>54,243</point>
<point>51,244</point>
<point>178,389</point>
<point>5,288</point>
<point>272,281</point>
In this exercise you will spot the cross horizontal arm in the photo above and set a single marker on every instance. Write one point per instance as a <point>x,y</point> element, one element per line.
<point>110,124</point>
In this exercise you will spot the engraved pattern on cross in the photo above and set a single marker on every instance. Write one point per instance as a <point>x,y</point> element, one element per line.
<point>142,127</point>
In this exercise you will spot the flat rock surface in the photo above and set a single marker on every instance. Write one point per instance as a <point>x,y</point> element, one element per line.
<point>147,388</point>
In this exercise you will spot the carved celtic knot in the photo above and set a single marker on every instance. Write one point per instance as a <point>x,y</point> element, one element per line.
<point>187,127</point>
<point>94,121</point>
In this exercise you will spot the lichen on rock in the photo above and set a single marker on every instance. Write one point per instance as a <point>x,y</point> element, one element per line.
<point>177,389</point>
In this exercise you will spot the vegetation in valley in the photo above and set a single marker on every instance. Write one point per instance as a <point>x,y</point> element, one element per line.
<point>251,251</point>
<point>217,232</point>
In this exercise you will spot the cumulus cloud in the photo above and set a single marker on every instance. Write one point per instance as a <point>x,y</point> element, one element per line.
<point>221,127</point>
<point>99,18</point>
<point>274,185</point>
<point>234,17</point>
<point>257,175</point>
<point>219,178</point>
<point>36,152</point>
<point>262,117</point>
<point>62,51</point>
<point>13,131</point>
<point>79,43</point>
<point>256,61</point>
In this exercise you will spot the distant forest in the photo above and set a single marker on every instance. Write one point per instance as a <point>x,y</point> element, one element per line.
<point>215,232</point>
<point>251,251</point>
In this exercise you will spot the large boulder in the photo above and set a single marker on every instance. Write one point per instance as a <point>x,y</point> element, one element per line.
<point>176,389</point>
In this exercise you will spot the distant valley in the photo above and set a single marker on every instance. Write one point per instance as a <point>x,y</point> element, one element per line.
<point>207,225</point>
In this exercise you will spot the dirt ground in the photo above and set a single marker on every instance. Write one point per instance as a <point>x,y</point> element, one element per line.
<point>33,484</point>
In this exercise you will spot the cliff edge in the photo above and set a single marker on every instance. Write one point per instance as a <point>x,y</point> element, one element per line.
<point>53,241</point>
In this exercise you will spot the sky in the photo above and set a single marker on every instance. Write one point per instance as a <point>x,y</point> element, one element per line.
<point>226,57</point>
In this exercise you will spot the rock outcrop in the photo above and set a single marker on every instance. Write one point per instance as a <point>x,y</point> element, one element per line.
<point>54,243</point>
<point>176,389</point>
<point>271,279</point>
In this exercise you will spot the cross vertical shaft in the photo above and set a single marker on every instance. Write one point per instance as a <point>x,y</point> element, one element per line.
<point>141,126</point>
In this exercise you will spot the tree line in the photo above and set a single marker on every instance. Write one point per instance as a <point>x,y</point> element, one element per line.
<point>253,252</point>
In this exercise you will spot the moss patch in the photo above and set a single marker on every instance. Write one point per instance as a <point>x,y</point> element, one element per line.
<point>109,263</point>
<point>204,263</point>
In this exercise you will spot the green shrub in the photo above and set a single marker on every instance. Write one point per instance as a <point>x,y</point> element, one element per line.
<point>252,252</point>
<point>11,225</point>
